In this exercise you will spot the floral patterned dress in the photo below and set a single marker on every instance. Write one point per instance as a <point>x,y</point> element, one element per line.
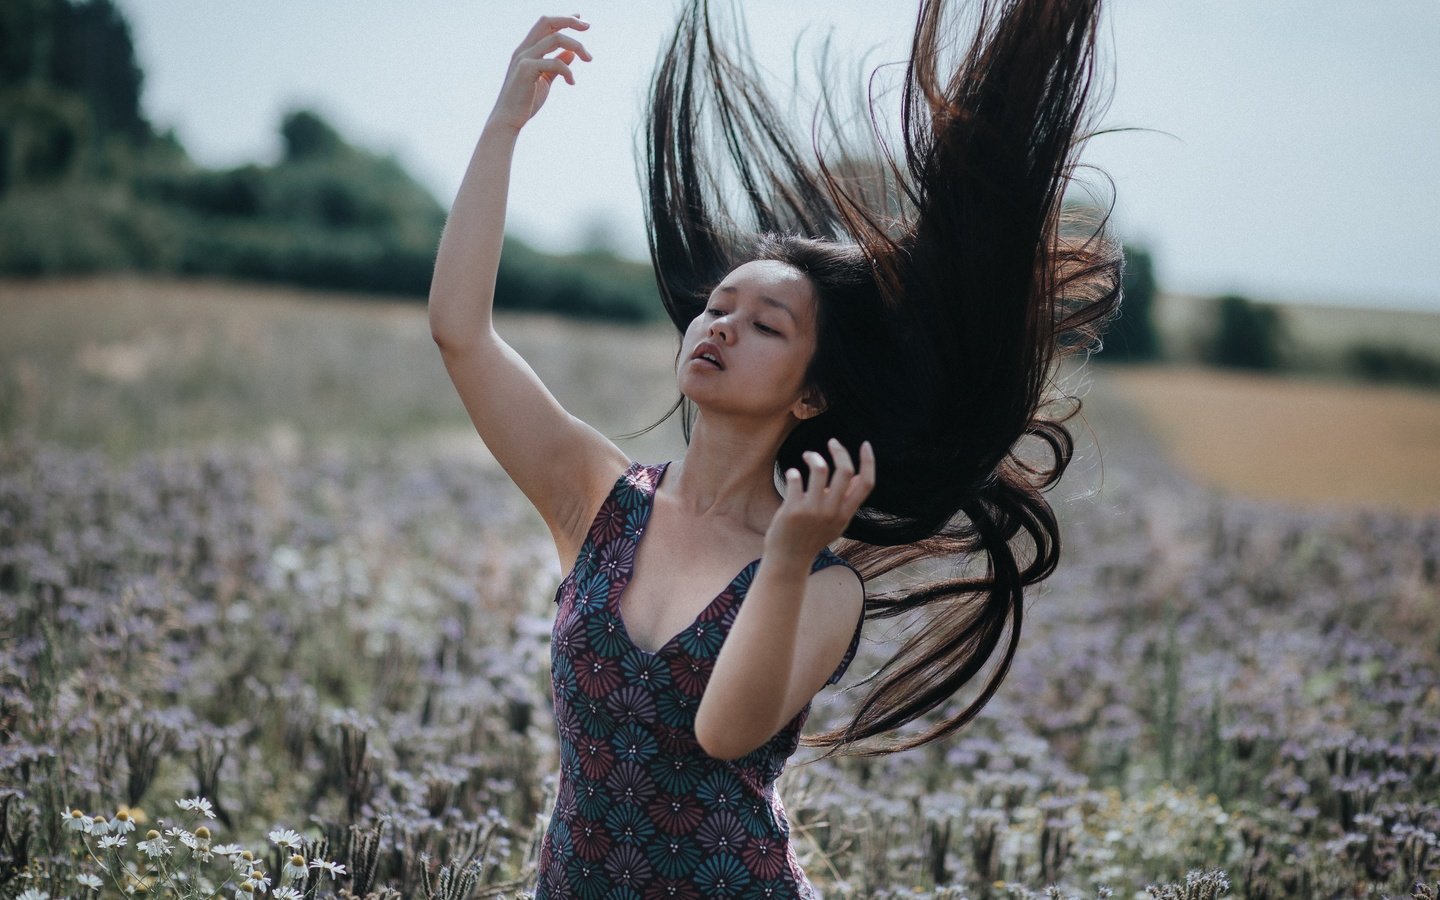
<point>642,811</point>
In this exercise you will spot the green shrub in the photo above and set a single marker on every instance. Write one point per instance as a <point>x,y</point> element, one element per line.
<point>1131,336</point>
<point>85,227</point>
<point>1246,335</point>
<point>1392,362</point>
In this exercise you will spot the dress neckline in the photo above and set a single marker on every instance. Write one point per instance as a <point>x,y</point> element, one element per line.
<point>629,576</point>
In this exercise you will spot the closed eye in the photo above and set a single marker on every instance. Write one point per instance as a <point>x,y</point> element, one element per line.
<point>765,328</point>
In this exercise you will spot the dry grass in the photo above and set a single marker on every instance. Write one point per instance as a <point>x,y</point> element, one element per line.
<point>128,364</point>
<point>1313,442</point>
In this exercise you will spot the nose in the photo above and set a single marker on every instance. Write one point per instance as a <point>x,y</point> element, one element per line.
<point>720,328</point>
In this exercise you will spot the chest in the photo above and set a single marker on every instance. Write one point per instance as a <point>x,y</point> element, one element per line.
<point>680,569</point>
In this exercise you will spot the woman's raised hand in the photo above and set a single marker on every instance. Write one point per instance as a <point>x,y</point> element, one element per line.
<point>816,513</point>
<point>527,82</point>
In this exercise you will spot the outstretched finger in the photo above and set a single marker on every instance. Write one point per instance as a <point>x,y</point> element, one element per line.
<point>844,465</point>
<point>819,472</point>
<point>550,42</point>
<point>794,486</point>
<point>551,24</point>
<point>551,67</point>
<point>864,480</point>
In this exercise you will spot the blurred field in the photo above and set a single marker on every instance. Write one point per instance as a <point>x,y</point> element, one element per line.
<point>250,548</point>
<point>1294,440</point>
<point>125,365</point>
<point>128,364</point>
<point>1320,335</point>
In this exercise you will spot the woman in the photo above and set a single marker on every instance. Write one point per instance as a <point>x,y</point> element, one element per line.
<point>881,338</point>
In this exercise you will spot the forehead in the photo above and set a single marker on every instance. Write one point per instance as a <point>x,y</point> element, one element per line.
<point>775,279</point>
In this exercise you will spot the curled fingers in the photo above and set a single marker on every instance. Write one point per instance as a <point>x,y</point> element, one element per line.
<point>549,25</point>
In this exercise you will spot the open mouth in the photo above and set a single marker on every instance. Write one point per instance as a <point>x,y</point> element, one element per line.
<point>708,353</point>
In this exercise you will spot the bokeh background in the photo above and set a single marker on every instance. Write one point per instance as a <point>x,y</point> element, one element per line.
<point>251,548</point>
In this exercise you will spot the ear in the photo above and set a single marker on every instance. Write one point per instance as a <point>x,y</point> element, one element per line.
<point>810,405</point>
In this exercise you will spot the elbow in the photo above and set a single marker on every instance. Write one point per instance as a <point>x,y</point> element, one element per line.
<point>440,339</point>
<point>443,335</point>
<point>449,343</point>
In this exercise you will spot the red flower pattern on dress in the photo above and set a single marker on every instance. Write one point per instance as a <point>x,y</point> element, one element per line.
<point>597,675</point>
<point>765,857</point>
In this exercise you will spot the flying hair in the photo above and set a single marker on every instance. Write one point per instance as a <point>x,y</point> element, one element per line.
<point>951,279</point>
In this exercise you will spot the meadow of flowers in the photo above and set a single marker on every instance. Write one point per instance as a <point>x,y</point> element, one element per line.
<point>314,671</point>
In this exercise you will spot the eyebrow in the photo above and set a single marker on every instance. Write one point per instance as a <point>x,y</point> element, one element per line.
<point>769,301</point>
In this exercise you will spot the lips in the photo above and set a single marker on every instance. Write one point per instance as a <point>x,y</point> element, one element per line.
<point>710,353</point>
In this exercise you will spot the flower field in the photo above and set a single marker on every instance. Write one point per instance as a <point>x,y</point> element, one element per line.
<point>314,662</point>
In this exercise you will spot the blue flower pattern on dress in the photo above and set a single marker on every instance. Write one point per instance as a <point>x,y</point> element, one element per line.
<point>641,810</point>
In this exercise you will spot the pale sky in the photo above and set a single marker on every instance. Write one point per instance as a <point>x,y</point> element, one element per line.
<point>1301,160</point>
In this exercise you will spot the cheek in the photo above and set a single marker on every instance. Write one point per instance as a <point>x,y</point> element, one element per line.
<point>694,331</point>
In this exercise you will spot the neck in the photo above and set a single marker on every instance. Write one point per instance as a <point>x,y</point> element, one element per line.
<point>728,471</point>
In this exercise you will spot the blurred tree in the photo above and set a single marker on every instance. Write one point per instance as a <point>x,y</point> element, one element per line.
<point>93,55</point>
<point>1131,335</point>
<point>1246,335</point>
<point>42,133</point>
<point>25,39</point>
<point>307,137</point>
<point>69,86</point>
<point>1392,362</point>
<point>87,185</point>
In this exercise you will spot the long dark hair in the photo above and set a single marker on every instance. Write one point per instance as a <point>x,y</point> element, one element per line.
<point>948,288</point>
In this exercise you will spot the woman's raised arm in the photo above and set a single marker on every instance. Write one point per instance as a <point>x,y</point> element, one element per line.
<point>561,464</point>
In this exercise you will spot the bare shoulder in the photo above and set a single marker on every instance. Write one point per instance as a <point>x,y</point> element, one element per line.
<point>834,599</point>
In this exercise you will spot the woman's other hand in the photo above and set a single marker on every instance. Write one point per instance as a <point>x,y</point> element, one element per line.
<point>527,82</point>
<point>815,513</point>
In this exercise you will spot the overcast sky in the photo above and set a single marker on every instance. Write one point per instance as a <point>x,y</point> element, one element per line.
<point>1300,158</point>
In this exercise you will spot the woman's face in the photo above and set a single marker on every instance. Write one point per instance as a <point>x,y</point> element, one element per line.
<point>748,350</point>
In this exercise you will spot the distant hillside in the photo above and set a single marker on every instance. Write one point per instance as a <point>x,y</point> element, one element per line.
<point>1321,334</point>
<point>88,185</point>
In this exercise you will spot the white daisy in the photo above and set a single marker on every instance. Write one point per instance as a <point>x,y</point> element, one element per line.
<point>189,840</point>
<point>155,847</point>
<point>227,849</point>
<point>287,838</point>
<point>294,868</point>
<point>33,894</point>
<point>91,881</point>
<point>75,820</point>
<point>111,841</point>
<point>333,868</point>
<point>97,826</point>
<point>196,804</point>
<point>286,893</point>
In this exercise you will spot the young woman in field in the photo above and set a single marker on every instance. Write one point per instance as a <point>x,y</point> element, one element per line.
<point>865,345</point>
